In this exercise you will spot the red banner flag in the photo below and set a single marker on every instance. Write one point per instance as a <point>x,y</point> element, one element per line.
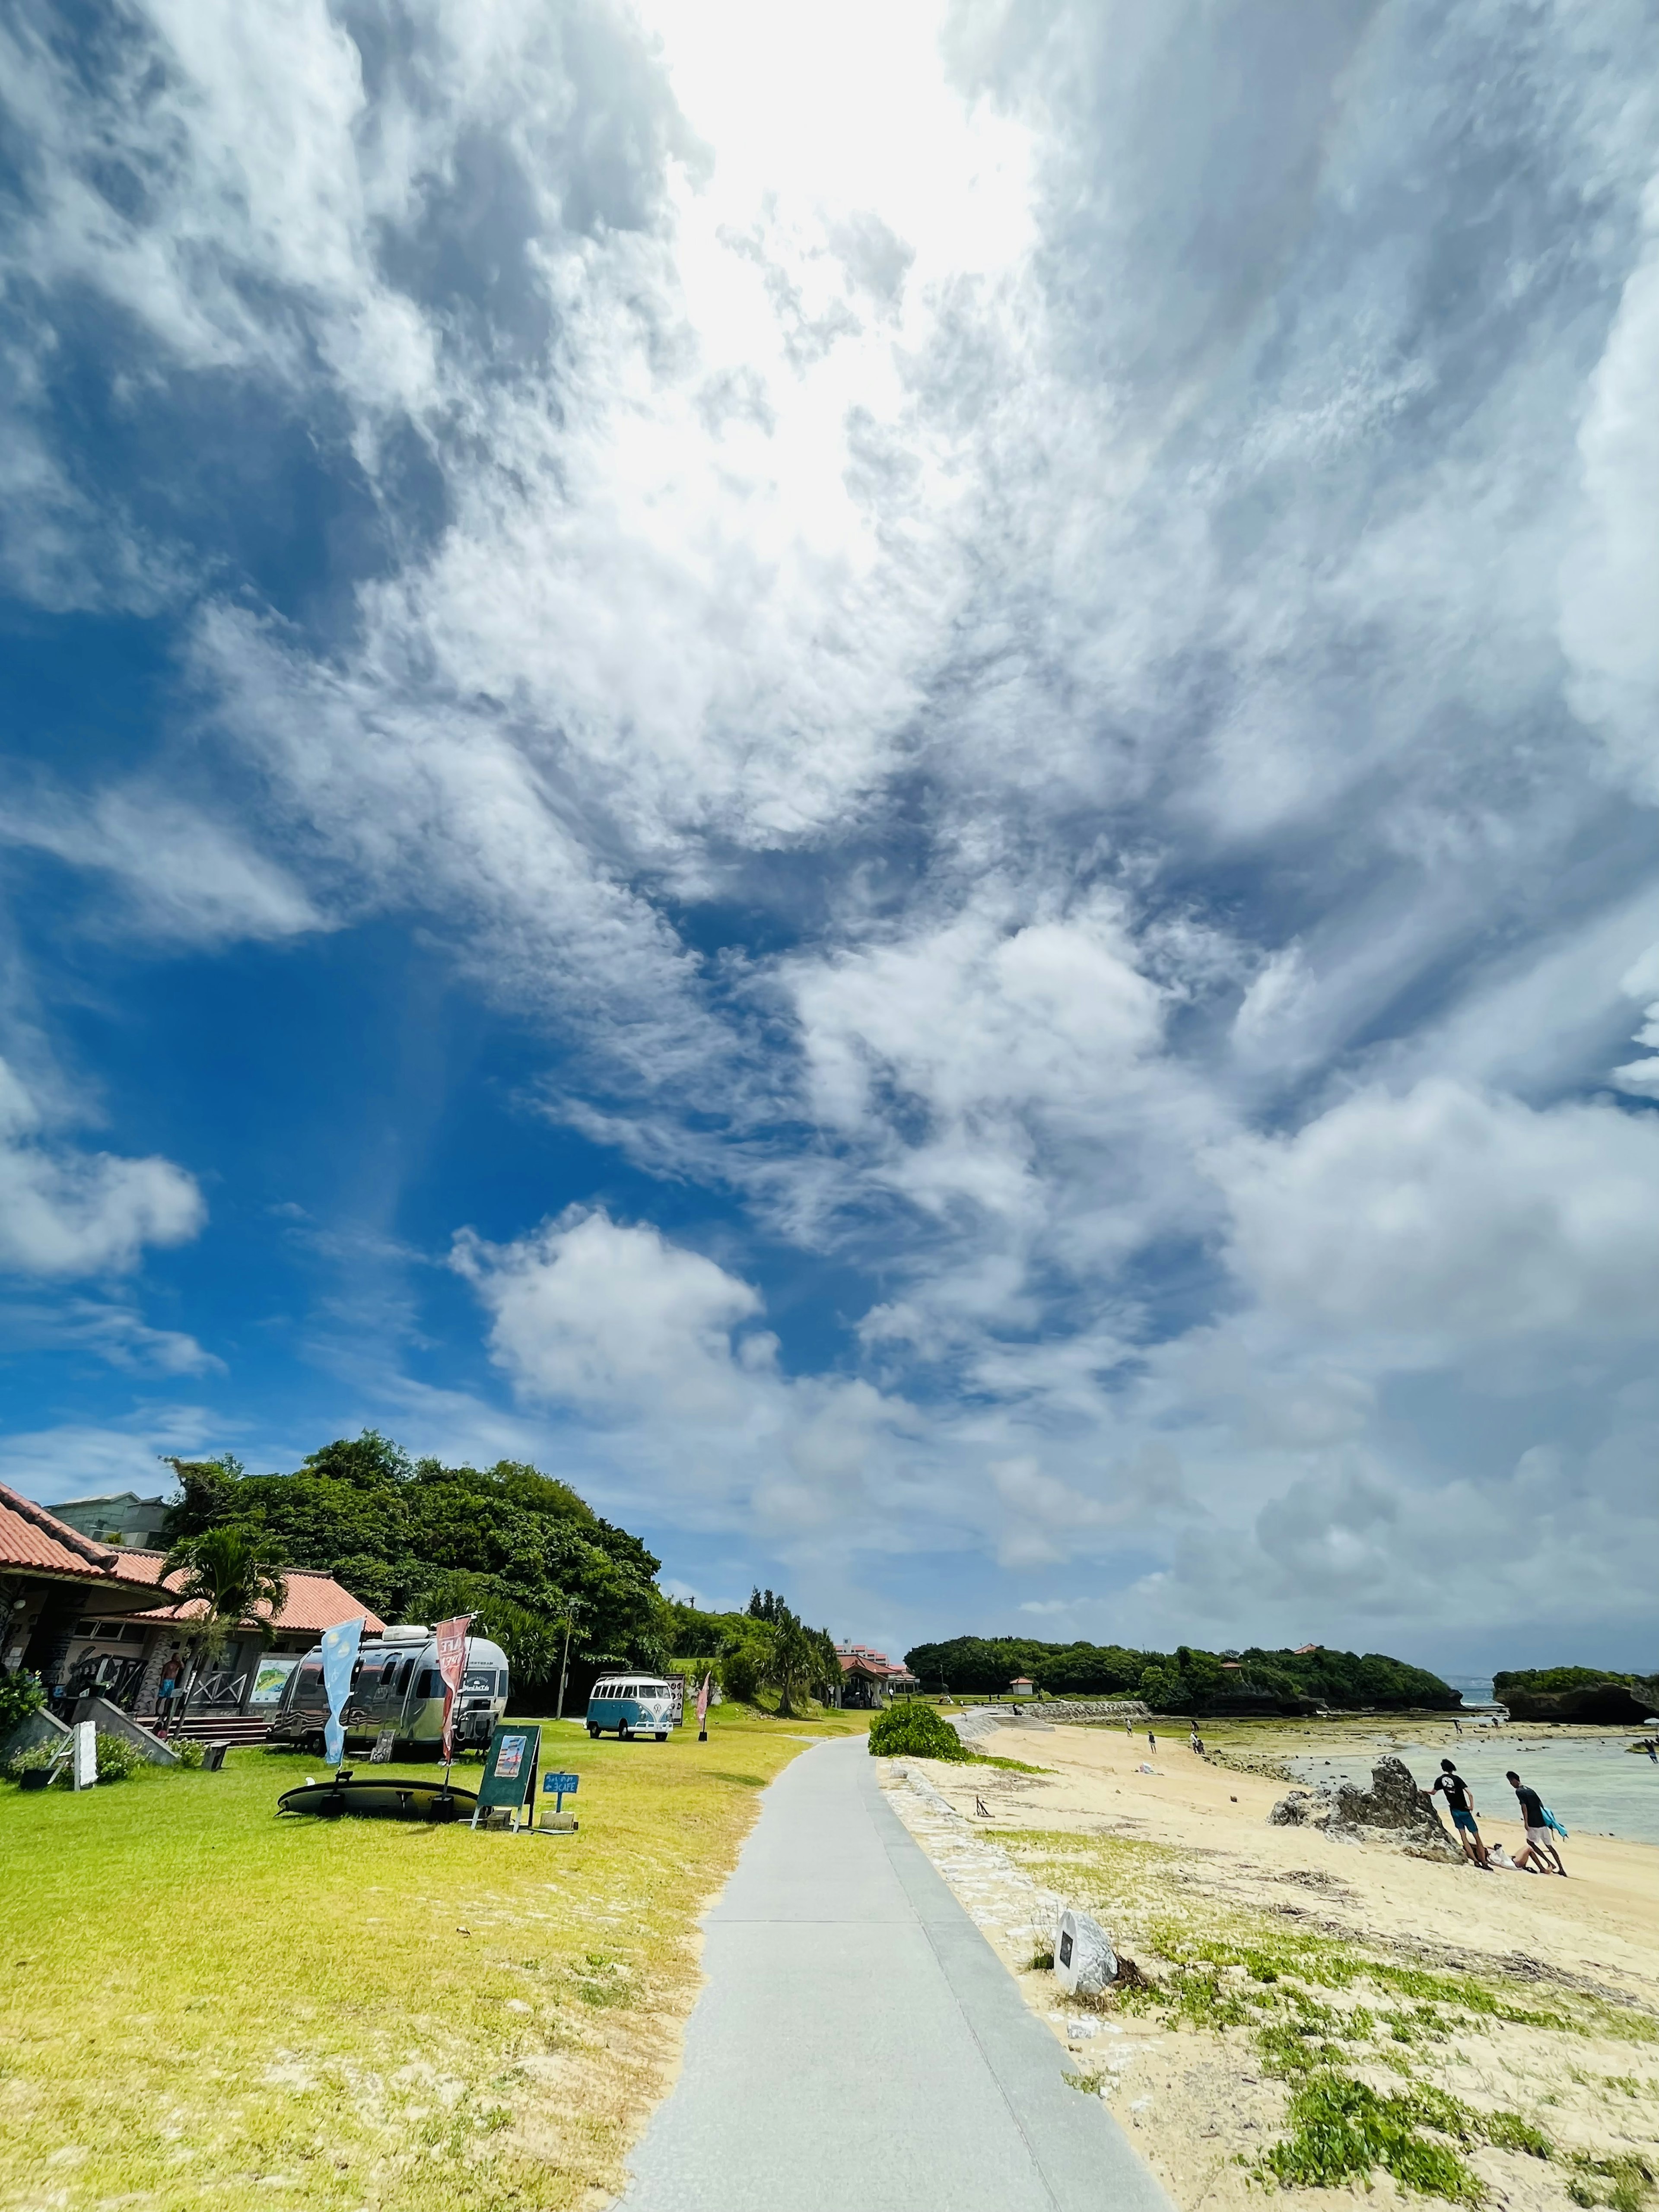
<point>451,1638</point>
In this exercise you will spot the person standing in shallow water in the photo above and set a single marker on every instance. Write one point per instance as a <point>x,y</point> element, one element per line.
<point>1460,1802</point>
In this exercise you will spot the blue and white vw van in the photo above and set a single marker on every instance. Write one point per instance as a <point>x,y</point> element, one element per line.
<point>636,1705</point>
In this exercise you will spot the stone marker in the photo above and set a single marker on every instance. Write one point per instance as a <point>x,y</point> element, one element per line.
<point>1085,1961</point>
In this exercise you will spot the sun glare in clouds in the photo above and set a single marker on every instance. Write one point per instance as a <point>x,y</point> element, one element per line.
<point>847,183</point>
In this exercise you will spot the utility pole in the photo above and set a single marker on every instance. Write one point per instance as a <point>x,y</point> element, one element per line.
<point>564,1666</point>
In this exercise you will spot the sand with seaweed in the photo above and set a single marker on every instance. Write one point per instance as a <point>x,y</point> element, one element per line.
<point>1316,2014</point>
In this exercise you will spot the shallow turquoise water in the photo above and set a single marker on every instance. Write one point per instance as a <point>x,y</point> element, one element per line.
<point>1595,1785</point>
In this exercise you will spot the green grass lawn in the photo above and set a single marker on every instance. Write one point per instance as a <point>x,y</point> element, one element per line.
<point>205,2002</point>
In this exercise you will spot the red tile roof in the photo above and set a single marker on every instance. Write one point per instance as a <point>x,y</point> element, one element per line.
<point>30,1537</point>
<point>315,1601</point>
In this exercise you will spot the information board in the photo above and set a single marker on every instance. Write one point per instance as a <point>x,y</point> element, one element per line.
<point>510,1765</point>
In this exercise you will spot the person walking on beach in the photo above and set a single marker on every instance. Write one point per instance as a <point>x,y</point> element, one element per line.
<point>1538,1849</point>
<point>1460,1802</point>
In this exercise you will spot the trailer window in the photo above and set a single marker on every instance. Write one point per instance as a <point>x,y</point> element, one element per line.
<point>423,1687</point>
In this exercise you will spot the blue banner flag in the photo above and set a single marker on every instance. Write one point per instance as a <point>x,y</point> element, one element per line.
<point>339,1657</point>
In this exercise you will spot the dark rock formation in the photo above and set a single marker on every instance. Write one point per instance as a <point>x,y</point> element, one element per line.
<point>1394,1810</point>
<point>1611,1704</point>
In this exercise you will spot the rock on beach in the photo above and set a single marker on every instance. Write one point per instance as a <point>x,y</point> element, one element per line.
<point>1392,1811</point>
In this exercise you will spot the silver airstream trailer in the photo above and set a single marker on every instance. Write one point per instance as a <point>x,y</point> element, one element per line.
<point>396,1684</point>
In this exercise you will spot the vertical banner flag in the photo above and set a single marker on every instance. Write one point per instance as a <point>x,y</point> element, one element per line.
<point>702,1707</point>
<point>450,1636</point>
<point>340,1647</point>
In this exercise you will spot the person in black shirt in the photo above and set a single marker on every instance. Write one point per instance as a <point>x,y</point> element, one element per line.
<point>1460,1802</point>
<point>1539,1851</point>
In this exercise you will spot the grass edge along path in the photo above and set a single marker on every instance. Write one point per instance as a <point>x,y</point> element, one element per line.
<point>1240,1973</point>
<point>207,2003</point>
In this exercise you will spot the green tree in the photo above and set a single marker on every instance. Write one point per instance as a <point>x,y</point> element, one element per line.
<point>228,1571</point>
<point>397,1534</point>
<point>789,1658</point>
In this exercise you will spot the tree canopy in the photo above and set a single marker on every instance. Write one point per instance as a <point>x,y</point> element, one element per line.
<point>1185,1679</point>
<point>767,1646</point>
<point>417,1540</point>
<point>1546,1678</point>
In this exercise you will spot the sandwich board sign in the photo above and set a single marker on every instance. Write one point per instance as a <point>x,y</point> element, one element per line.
<point>510,1765</point>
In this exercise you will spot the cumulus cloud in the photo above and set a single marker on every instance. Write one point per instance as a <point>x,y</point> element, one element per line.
<point>655,1340</point>
<point>65,1212</point>
<point>1447,1218</point>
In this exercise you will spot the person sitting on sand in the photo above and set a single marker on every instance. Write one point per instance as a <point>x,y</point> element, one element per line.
<point>1460,1802</point>
<point>1539,1851</point>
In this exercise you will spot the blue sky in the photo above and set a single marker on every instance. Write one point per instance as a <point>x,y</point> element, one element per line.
<point>890,783</point>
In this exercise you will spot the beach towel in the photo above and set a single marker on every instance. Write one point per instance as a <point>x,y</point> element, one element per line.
<point>1549,1820</point>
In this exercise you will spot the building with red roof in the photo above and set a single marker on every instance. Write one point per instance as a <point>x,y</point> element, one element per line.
<point>869,1679</point>
<point>88,1615</point>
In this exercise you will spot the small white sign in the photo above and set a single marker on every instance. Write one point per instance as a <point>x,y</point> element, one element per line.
<point>86,1754</point>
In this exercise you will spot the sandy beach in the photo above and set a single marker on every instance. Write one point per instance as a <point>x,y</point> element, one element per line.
<point>1513,1993</point>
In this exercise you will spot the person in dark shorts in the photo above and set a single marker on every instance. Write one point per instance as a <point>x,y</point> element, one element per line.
<point>1539,1851</point>
<point>1459,1803</point>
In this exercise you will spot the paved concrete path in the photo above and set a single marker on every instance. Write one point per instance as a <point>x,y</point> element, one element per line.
<point>859,2046</point>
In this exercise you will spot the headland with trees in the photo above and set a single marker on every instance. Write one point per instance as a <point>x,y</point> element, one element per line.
<point>1185,1680</point>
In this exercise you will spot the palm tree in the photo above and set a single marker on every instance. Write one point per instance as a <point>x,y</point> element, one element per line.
<point>229,1573</point>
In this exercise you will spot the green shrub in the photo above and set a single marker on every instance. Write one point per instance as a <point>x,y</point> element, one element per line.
<point>914,1731</point>
<point>191,1754</point>
<point>31,1760</point>
<point>740,1677</point>
<point>117,1760</point>
<point>20,1694</point>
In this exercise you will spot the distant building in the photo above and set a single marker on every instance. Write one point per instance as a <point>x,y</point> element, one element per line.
<point>121,1518</point>
<point>84,1614</point>
<point>869,1679</point>
<point>1303,1650</point>
<point>1023,1687</point>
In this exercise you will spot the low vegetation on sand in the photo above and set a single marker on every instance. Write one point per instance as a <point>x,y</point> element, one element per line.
<point>206,2003</point>
<point>1384,2066</point>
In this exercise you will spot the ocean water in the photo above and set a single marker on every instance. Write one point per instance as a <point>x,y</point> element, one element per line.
<point>1592,1784</point>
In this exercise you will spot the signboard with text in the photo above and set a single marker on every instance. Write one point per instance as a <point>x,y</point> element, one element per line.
<point>510,1767</point>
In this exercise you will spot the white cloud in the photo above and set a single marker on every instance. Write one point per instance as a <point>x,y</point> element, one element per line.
<point>86,1460</point>
<point>1610,574</point>
<point>616,1319</point>
<point>653,1341</point>
<point>184,874</point>
<point>115,1334</point>
<point>1447,1218</point>
<point>66,1212</point>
